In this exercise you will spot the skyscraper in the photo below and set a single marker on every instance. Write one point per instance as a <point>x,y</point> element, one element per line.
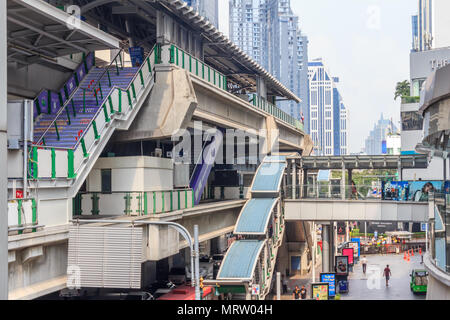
<point>431,25</point>
<point>247,17</point>
<point>207,8</point>
<point>328,115</point>
<point>376,141</point>
<point>268,31</point>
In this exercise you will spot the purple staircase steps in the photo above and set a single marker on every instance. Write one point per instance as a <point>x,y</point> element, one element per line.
<point>69,134</point>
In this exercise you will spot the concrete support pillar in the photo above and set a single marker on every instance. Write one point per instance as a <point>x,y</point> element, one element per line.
<point>164,26</point>
<point>350,176</point>
<point>305,183</point>
<point>327,248</point>
<point>3,158</point>
<point>261,87</point>
<point>343,184</point>
<point>294,180</point>
<point>129,31</point>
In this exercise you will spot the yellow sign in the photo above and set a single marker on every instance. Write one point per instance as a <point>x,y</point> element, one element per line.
<point>320,291</point>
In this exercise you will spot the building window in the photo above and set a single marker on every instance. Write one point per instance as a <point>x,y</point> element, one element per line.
<point>106,178</point>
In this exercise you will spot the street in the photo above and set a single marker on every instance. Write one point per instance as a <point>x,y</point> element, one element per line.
<point>362,289</point>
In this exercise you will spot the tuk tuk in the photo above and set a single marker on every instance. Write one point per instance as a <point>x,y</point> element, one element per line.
<point>419,281</point>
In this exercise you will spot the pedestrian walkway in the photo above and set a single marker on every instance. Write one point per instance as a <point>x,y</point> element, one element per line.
<point>299,280</point>
<point>372,286</point>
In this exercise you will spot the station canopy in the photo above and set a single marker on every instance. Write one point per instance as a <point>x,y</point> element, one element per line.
<point>39,32</point>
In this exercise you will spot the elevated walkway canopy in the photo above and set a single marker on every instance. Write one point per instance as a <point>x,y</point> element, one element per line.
<point>365,162</point>
<point>241,260</point>
<point>268,178</point>
<point>255,216</point>
<point>39,32</point>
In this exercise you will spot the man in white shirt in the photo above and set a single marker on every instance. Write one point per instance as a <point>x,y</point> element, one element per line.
<point>364,264</point>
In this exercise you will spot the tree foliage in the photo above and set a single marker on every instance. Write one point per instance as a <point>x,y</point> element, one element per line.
<point>402,89</point>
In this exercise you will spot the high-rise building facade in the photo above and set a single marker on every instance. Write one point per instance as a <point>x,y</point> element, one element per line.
<point>328,115</point>
<point>375,143</point>
<point>207,8</point>
<point>247,17</point>
<point>268,31</point>
<point>302,55</point>
<point>431,25</point>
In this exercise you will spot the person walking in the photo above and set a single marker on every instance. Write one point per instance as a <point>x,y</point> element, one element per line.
<point>364,264</point>
<point>296,293</point>
<point>303,293</point>
<point>387,274</point>
<point>285,285</point>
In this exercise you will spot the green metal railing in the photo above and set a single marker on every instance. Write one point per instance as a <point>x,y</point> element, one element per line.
<point>134,203</point>
<point>45,157</point>
<point>197,67</point>
<point>270,108</point>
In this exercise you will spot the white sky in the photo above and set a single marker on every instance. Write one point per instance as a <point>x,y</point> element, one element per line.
<point>366,43</point>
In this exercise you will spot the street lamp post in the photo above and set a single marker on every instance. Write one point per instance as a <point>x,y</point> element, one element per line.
<point>193,244</point>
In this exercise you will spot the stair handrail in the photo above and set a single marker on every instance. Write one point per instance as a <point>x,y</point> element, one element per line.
<point>80,138</point>
<point>108,67</point>
<point>69,100</point>
<point>75,73</point>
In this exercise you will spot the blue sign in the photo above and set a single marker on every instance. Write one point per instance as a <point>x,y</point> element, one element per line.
<point>137,56</point>
<point>329,278</point>
<point>358,240</point>
<point>375,234</point>
<point>423,227</point>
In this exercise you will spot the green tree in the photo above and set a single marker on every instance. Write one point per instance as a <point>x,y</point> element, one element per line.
<point>402,89</point>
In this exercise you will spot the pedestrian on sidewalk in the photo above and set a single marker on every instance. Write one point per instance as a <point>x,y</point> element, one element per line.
<point>303,293</point>
<point>387,274</point>
<point>285,285</point>
<point>296,293</point>
<point>364,264</point>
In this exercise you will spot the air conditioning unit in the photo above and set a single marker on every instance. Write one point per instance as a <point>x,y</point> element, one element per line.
<point>158,153</point>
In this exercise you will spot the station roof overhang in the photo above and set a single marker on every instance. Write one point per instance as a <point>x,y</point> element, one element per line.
<point>435,108</point>
<point>39,32</point>
<point>365,162</point>
<point>226,56</point>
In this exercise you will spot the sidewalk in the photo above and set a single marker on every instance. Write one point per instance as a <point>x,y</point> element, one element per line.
<point>299,280</point>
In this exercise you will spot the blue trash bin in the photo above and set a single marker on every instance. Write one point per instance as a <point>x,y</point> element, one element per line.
<point>343,286</point>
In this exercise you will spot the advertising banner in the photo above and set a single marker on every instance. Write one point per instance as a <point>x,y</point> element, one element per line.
<point>137,56</point>
<point>329,278</point>
<point>341,263</point>
<point>349,253</point>
<point>355,247</point>
<point>358,240</point>
<point>319,291</point>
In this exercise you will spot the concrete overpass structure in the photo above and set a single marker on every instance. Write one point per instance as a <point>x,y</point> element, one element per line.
<point>190,72</point>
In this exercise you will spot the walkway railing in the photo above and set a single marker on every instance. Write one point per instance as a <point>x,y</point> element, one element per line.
<point>174,55</point>
<point>132,203</point>
<point>53,163</point>
<point>347,192</point>
<point>268,107</point>
<point>22,214</point>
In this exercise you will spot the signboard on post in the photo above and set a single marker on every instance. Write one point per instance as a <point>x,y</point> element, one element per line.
<point>329,278</point>
<point>341,265</point>
<point>355,247</point>
<point>255,290</point>
<point>320,291</point>
<point>349,253</point>
<point>357,240</point>
<point>423,227</point>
